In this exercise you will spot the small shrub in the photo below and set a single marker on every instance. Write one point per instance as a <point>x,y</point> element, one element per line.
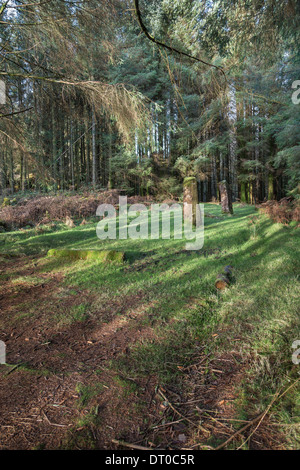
<point>6,202</point>
<point>46,209</point>
<point>284,211</point>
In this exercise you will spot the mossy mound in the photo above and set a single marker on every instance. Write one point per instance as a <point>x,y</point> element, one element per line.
<point>100,255</point>
<point>189,181</point>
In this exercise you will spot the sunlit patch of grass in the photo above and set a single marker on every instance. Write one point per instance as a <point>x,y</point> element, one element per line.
<point>76,313</point>
<point>28,281</point>
<point>258,315</point>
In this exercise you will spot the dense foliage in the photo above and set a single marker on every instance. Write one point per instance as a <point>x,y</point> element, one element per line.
<point>90,100</point>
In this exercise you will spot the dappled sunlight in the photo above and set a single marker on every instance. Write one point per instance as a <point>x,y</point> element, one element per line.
<point>146,317</point>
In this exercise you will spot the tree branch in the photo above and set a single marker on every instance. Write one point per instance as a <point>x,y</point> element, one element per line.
<point>16,112</point>
<point>166,46</point>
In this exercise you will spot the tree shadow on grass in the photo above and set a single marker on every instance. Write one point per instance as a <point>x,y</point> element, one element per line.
<point>169,295</point>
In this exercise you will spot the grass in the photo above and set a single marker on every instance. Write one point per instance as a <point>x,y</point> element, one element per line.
<point>76,313</point>
<point>171,291</point>
<point>86,393</point>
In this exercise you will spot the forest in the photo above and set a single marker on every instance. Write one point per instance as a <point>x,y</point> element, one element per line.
<point>91,101</point>
<point>139,344</point>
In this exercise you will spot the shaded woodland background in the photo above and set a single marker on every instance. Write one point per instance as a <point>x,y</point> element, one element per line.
<point>92,102</point>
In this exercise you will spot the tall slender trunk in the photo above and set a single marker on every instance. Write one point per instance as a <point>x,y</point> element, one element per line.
<point>54,146</point>
<point>94,162</point>
<point>72,153</point>
<point>109,160</point>
<point>12,177</point>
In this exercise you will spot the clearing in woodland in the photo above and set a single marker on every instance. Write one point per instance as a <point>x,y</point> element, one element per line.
<point>149,352</point>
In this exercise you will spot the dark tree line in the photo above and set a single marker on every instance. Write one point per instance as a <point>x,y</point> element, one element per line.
<point>204,89</point>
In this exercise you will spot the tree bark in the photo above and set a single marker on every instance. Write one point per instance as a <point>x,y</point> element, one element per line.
<point>226,201</point>
<point>94,163</point>
<point>224,280</point>
<point>190,201</point>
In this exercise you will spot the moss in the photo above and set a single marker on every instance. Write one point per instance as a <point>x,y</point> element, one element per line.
<point>243,193</point>
<point>190,196</point>
<point>100,255</point>
<point>6,202</point>
<point>189,181</point>
<point>270,187</point>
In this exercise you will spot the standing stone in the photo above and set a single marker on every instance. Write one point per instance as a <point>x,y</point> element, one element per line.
<point>191,201</point>
<point>2,353</point>
<point>226,200</point>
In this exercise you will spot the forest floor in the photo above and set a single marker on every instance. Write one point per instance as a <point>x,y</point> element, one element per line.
<point>149,352</point>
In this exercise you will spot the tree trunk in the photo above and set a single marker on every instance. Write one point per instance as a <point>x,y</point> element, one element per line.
<point>12,177</point>
<point>224,280</point>
<point>72,155</point>
<point>190,201</point>
<point>94,163</point>
<point>226,201</point>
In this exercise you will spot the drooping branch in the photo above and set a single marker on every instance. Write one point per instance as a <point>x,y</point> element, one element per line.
<point>16,112</point>
<point>194,58</point>
<point>166,46</point>
<point>127,106</point>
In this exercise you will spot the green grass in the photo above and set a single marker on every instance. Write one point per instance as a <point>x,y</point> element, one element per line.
<point>172,291</point>
<point>87,392</point>
<point>76,313</point>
